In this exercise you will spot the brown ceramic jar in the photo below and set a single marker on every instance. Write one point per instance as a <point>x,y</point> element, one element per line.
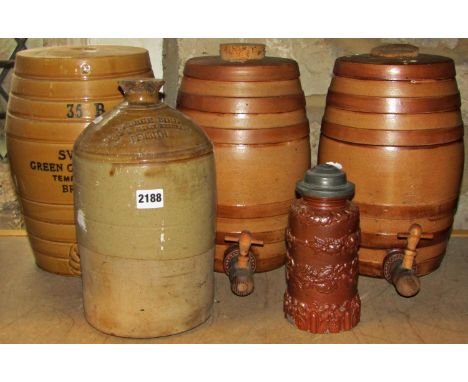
<point>322,262</point>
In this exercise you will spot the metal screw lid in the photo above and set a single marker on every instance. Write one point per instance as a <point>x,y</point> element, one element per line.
<point>325,181</point>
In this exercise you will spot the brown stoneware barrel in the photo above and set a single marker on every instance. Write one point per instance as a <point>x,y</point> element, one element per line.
<point>252,108</point>
<point>393,121</point>
<point>55,93</point>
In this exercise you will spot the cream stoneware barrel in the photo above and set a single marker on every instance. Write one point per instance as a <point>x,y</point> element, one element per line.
<point>252,107</point>
<point>55,93</point>
<point>145,204</point>
<point>393,122</point>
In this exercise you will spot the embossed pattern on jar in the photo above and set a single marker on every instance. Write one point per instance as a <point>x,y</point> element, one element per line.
<point>322,266</point>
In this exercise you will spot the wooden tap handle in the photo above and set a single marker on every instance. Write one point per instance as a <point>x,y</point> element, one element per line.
<point>239,264</point>
<point>416,230</point>
<point>403,235</point>
<point>414,235</point>
<point>244,233</point>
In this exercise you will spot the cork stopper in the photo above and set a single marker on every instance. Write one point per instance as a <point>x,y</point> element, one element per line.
<point>238,52</point>
<point>396,51</point>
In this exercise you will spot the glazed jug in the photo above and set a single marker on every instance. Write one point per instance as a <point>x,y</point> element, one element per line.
<point>145,213</point>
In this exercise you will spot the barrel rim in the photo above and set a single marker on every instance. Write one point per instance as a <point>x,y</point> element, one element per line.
<point>118,50</point>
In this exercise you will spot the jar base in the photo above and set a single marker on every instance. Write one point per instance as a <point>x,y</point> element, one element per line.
<point>322,318</point>
<point>148,335</point>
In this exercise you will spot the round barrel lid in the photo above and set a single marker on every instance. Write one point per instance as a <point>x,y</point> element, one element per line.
<point>82,62</point>
<point>395,62</point>
<point>241,62</point>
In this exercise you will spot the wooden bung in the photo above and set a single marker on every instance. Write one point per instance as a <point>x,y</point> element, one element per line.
<point>395,51</point>
<point>239,52</point>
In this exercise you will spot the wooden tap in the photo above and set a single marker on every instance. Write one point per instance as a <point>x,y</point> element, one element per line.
<point>239,263</point>
<point>400,267</point>
<point>414,235</point>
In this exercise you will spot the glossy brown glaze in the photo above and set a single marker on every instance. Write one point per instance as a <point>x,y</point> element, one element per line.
<point>247,121</point>
<point>394,124</point>
<point>375,88</point>
<point>257,136</point>
<point>55,93</point>
<point>65,89</point>
<point>240,89</point>
<point>254,105</point>
<point>213,68</point>
<point>393,137</point>
<point>82,62</point>
<point>57,109</point>
<point>367,66</point>
<point>393,105</point>
<point>253,112</point>
<point>322,265</point>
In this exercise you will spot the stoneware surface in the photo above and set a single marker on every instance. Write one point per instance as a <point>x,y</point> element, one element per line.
<point>315,57</point>
<point>38,307</point>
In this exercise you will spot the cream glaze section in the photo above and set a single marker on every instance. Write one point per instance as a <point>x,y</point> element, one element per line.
<point>146,272</point>
<point>105,193</point>
<point>146,298</point>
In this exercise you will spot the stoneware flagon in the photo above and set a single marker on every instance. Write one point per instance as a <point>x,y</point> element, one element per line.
<point>55,93</point>
<point>393,121</point>
<point>322,260</point>
<point>253,109</point>
<point>145,208</point>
